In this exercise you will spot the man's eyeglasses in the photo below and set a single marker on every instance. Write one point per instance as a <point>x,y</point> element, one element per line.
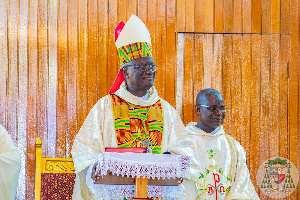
<point>143,68</point>
<point>215,109</point>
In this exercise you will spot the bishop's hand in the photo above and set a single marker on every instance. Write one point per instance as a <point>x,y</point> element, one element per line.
<point>95,173</point>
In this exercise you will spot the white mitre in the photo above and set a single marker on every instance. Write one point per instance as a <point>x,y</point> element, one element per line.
<point>134,31</point>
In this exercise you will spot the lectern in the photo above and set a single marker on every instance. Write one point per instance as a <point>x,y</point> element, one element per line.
<point>139,176</point>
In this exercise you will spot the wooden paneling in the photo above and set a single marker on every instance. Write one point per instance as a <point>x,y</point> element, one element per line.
<point>82,58</point>
<point>246,94</point>
<point>264,136</point>
<point>58,57</point>
<point>246,18</point>
<point>52,90</point>
<point>42,72</point>
<point>226,77</point>
<point>234,16</point>
<point>72,74</point>
<point>62,78</point>
<point>32,121</point>
<point>219,16</point>
<point>293,88</point>
<point>12,83</point>
<point>274,93</point>
<point>255,119</point>
<point>22,92</point>
<point>170,58</point>
<point>188,96</point>
<point>3,59</point>
<point>256,16</point>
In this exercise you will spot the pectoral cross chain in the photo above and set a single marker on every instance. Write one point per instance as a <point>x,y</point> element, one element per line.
<point>147,143</point>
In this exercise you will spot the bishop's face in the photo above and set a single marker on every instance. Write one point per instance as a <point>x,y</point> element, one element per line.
<point>139,75</point>
<point>209,114</point>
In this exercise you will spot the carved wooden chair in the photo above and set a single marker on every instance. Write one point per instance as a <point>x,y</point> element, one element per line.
<point>54,177</point>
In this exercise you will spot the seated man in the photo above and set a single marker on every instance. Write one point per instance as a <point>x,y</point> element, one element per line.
<point>219,169</point>
<point>132,114</point>
<point>10,164</point>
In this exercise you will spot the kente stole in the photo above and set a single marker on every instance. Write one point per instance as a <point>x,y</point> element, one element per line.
<point>129,128</point>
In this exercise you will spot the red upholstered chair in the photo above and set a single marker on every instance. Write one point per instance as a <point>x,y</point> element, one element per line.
<point>54,177</point>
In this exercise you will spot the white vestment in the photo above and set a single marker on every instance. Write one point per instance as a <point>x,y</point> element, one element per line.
<point>219,169</point>
<point>98,132</point>
<point>10,164</point>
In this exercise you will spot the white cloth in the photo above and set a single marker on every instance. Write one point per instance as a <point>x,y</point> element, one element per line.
<point>98,132</point>
<point>10,164</point>
<point>144,164</point>
<point>219,169</point>
<point>153,166</point>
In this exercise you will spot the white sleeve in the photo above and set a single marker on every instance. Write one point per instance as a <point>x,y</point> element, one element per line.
<point>241,185</point>
<point>10,164</point>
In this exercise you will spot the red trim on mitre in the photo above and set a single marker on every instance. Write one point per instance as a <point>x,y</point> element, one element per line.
<point>120,78</point>
<point>118,81</point>
<point>118,29</point>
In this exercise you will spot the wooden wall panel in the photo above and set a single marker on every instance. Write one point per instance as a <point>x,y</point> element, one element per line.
<point>180,17</point>
<point>22,93</point>
<point>246,94</point>
<point>275,16</point>
<point>189,15</point>
<point>92,52</point>
<point>188,96</point>
<point>42,73</point>
<point>274,97</point>
<point>216,78</point>
<point>237,15</point>
<point>293,96</point>
<point>198,71</point>
<point>62,80</point>
<point>256,16</point>
<point>170,51</point>
<point>235,86</point>
<point>219,16</point>
<point>264,136</point>
<point>226,79</point>
<point>160,36</point>
<point>285,16</point>
<point>234,16</point>
<point>58,57</point>
<point>82,106</point>
<point>283,95</point>
<point>72,74</point>
<point>32,121</point>
<point>246,18</point>
<point>228,12</point>
<point>3,59</point>
<point>209,16</point>
<point>102,44</point>
<point>113,62</point>
<point>12,81</point>
<point>255,106</point>
<point>266,16</point>
<point>208,59</point>
<point>52,85</point>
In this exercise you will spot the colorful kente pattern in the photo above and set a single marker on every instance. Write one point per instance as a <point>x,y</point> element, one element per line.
<point>129,128</point>
<point>134,51</point>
